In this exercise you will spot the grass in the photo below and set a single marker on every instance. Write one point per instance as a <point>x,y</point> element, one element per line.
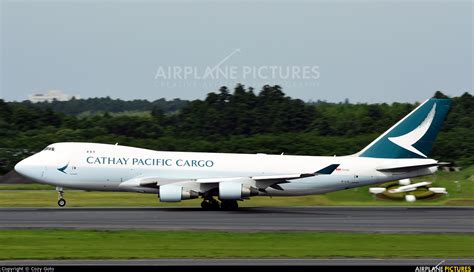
<point>458,185</point>
<point>114,199</point>
<point>28,186</point>
<point>88,244</point>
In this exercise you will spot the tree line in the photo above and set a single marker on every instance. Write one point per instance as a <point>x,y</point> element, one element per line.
<point>241,120</point>
<point>107,104</point>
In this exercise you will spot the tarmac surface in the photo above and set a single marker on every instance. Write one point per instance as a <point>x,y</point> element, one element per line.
<point>244,262</point>
<point>351,219</point>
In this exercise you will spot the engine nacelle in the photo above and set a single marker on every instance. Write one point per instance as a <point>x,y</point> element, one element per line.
<point>235,190</point>
<point>176,193</point>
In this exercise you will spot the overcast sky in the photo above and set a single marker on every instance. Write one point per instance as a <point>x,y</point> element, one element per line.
<point>366,51</point>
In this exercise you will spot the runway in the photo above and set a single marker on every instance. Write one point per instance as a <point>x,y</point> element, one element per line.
<point>351,219</point>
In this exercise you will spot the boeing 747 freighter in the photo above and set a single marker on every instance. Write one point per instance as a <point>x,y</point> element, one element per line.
<point>222,180</point>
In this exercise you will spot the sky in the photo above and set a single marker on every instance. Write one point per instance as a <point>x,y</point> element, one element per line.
<point>365,51</point>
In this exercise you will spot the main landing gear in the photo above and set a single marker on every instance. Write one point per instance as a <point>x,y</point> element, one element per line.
<point>229,205</point>
<point>210,204</point>
<point>61,200</point>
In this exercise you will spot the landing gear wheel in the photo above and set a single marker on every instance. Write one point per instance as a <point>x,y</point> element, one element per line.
<point>229,205</point>
<point>206,205</point>
<point>210,204</point>
<point>61,202</point>
<point>215,205</point>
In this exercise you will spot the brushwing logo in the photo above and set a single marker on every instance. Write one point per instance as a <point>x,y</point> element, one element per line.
<point>407,141</point>
<point>62,169</point>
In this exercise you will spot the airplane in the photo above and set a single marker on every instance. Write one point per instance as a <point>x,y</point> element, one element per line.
<point>223,179</point>
<point>407,187</point>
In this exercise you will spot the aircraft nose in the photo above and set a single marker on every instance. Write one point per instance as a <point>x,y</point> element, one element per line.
<point>30,167</point>
<point>20,167</point>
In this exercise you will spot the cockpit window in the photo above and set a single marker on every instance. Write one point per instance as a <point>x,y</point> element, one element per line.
<point>49,148</point>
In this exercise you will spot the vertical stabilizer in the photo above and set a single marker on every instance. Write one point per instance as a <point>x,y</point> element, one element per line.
<point>413,136</point>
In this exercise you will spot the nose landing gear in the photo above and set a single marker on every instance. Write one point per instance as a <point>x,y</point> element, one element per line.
<point>61,200</point>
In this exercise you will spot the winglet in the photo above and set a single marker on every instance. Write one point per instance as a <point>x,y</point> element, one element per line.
<point>327,170</point>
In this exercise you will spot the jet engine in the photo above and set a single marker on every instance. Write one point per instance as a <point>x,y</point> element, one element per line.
<point>176,193</point>
<point>235,191</point>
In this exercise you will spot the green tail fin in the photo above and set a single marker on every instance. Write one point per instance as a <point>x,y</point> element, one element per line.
<point>413,136</point>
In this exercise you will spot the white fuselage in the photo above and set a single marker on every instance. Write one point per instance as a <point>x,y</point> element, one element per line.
<point>103,167</point>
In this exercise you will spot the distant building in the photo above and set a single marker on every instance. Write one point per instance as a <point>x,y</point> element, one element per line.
<point>50,96</point>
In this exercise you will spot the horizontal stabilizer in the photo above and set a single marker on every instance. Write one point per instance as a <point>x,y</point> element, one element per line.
<point>407,168</point>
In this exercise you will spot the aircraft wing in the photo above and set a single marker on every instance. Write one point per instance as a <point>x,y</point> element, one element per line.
<point>151,182</point>
<point>147,183</point>
<point>284,177</point>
